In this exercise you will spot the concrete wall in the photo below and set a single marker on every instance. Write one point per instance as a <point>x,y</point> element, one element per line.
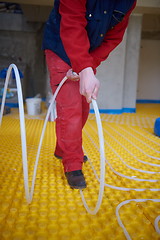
<point>119,73</point>
<point>111,76</point>
<point>131,68</point>
<point>20,43</point>
<point>149,71</point>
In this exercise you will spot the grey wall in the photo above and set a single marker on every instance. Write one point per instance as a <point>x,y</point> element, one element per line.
<point>111,76</point>
<point>132,61</point>
<point>149,67</point>
<point>20,43</point>
<point>149,71</point>
<point>119,73</point>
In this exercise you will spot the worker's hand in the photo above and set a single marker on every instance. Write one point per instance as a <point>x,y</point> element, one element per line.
<point>72,75</point>
<point>89,84</point>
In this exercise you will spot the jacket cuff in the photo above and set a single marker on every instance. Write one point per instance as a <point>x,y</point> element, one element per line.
<point>96,62</point>
<point>78,68</point>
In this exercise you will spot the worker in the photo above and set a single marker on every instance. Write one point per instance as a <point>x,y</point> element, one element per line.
<point>78,36</point>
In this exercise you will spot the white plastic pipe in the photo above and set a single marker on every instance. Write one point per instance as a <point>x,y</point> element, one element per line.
<point>29,195</point>
<point>128,237</point>
<point>50,109</point>
<point>102,155</point>
<point>156,224</point>
<point>22,122</point>
<point>102,163</point>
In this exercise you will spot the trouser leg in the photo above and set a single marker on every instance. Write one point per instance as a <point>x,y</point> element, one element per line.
<point>72,111</point>
<point>85,111</point>
<point>69,111</point>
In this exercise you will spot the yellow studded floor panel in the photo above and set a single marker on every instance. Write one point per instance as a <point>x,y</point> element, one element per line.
<point>131,201</point>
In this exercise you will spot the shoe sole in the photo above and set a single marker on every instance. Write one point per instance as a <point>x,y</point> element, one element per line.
<point>85,158</point>
<point>76,187</point>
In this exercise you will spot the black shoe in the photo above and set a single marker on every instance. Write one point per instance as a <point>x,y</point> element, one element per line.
<point>76,179</point>
<point>85,158</point>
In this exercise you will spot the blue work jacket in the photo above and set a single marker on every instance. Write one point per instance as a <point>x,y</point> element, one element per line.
<point>101,15</point>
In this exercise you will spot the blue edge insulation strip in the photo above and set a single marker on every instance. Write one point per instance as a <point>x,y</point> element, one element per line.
<point>147,101</point>
<point>116,111</point>
<point>109,111</point>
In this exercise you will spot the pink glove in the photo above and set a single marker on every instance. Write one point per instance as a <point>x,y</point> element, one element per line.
<point>72,75</point>
<point>89,84</point>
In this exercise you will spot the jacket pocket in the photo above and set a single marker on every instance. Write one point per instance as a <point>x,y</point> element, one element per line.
<point>117,17</point>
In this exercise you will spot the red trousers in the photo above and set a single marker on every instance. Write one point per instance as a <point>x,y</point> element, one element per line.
<point>72,113</point>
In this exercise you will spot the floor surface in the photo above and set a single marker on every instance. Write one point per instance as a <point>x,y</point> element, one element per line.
<point>57,212</point>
